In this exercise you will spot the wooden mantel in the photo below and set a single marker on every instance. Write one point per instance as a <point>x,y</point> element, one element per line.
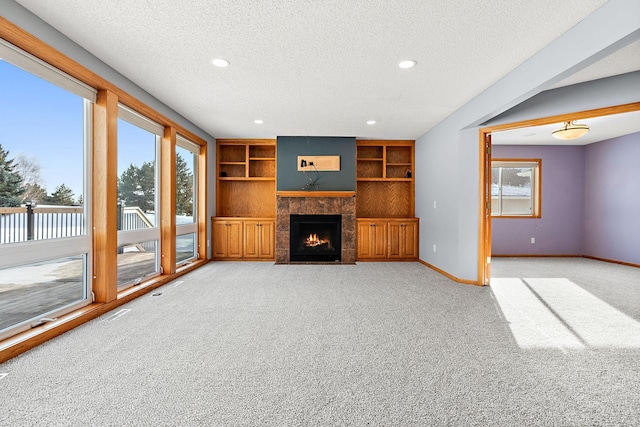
<point>316,193</point>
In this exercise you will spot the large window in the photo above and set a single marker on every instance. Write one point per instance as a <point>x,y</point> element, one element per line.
<point>515,188</point>
<point>138,201</point>
<point>45,118</point>
<point>86,193</point>
<point>186,200</point>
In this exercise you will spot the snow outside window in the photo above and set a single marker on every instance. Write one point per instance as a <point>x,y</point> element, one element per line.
<point>515,188</point>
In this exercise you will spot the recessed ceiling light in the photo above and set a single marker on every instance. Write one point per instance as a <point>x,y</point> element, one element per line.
<point>219,62</point>
<point>258,122</point>
<point>371,122</point>
<point>407,64</point>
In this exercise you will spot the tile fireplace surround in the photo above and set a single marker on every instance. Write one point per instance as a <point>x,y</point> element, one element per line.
<point>316,203</point>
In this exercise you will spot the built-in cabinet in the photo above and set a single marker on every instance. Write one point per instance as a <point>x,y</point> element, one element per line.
<point>244,225</point>
<point>372,239</point>
<point>403,238</point>
<point>227,238</point>
<point>243,238</point>
<point>387,239</point>
<point>259,239</point>
<point>385,200</point>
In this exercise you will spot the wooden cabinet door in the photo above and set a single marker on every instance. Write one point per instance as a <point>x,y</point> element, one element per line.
<point>363,236</point>
<point>227,239</point>
<point>259,239</point>
<point>267,247</point>
<point>251,239</point>
<point>379,239</point>
<point>220,238</point>
<point>395,239</point>
<point>372,239</point>
<point>234,248</point>
<point>403,239</point>
<point>410,240</point>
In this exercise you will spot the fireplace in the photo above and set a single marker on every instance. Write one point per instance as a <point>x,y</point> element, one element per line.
<point>323,204</point>
<point>315,238</point>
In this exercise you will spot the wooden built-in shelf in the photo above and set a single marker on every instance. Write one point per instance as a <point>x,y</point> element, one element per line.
<point>246,177</point>
<point>387,239</point>
<point>244,225</point>
<point>386,227</point>
<point>385,179</point>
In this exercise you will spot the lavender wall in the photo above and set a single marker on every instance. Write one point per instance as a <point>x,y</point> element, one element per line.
<point>559,230</point>
<point>612,199</point>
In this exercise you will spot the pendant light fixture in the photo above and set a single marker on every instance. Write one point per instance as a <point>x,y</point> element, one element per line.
<point>571,130</point>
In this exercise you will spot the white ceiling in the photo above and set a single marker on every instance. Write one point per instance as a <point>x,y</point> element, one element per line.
<point>320,67</point>
<point>600,129</point>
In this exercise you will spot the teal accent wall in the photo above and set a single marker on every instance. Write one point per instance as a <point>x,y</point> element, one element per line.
<point>290,147</point>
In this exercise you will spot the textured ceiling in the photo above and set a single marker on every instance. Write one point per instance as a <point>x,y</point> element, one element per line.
<point>320,67</point>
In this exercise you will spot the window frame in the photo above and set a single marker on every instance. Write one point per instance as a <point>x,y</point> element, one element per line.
<point>100,192</point>
<point>31,252</point>
<point>144,235</point>
<point>536,186</point>
<point>191,228</point>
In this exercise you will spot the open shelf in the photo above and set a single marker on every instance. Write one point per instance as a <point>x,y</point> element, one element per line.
<point>246,174</point>
<point>370,152</point>
<point>232,154</point>
<point>384,179</point>
<point>369,168</point>
<point>262,168</point>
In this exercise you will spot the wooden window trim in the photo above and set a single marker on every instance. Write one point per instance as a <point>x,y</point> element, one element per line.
<point>537,197</point>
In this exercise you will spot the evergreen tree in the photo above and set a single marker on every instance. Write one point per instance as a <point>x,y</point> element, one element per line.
<point>11,189</point>
<point>62,196</point>
<point>136,186</point>
<point>184,188</point>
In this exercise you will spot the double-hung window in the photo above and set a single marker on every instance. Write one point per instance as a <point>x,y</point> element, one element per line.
<point>515,188</point>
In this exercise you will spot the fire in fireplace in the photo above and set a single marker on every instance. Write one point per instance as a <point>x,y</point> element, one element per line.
<point>315,238</point>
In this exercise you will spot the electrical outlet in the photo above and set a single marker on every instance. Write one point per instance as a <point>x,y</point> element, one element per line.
<point>434,248</point>
<point>434,204</point>
<point>533,240</point>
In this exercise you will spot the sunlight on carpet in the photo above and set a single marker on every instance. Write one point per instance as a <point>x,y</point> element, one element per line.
<point>555,312</point>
